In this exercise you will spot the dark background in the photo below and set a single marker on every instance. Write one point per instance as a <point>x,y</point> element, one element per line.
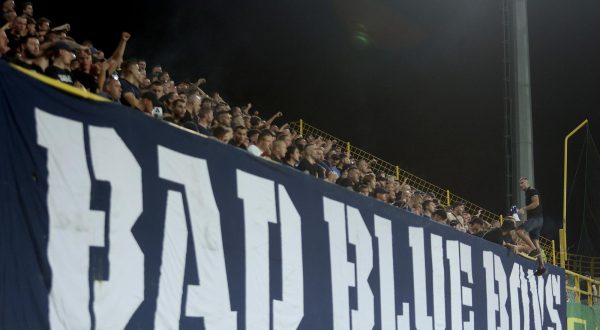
<point>418,83</point>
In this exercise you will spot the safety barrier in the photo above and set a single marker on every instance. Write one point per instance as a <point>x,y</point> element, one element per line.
<point>382,166</point>
<point>575,263</point>
<point>589,266</point>
<point>583,289</point>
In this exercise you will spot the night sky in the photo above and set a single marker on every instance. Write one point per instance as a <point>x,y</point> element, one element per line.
<point>417,83</point>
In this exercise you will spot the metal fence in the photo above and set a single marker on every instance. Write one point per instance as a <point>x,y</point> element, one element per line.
<point>588,266</point>
<point>583,288</point>
<point>382,166</point>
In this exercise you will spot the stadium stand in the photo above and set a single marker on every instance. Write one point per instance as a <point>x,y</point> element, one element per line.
<point>36,45</point>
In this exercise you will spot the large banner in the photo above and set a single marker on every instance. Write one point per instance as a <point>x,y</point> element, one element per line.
<point>110,219</point>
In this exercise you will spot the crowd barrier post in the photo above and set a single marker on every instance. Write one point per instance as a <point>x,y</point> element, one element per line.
<point>398,172</point>
<point>553,253</point>
<point>563,248</point>
<point>563,237</point>
<point>448,197</point>
<point>501,219</point>
<point>577,293</point>
<point>590,297</point>
<point>348,148</point>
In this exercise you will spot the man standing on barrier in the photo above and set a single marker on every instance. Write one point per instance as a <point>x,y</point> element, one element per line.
<point>530,230</point>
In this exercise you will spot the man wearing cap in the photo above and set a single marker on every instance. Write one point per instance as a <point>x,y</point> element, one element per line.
<point>332,161</point>
<point>529,231</point>
<point>60,69</point>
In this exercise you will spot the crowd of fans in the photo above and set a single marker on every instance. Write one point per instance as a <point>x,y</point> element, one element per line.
<point>37,45</point>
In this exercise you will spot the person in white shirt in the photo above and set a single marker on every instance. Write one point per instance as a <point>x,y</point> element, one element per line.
<point>262,148</point>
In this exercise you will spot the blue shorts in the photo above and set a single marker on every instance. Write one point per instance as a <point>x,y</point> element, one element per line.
<point>533,226</point>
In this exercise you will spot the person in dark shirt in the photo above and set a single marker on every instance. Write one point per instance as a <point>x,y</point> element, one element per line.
<point>278,151</point>
<point>18,31</point>
<point>177,115</point>
<point>222,133</point>
<point>130,82</point>
<point>28,51</point>
<point>502,235</point>
<point>292,156</point>
<point>240,137</point>
<point>428,208</point>
<point>529,231</point>
<point>352,179</point>
<point>60,68</point>
<point>151,105</point>
<point>476,227</point>
<point>83,73</point>
<point>202,125</point>
<point>440,216</point>
<point>308,163</point>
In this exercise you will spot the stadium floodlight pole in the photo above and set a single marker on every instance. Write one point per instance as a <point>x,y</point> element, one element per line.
<point>563,233</point>
<point>518,118</point>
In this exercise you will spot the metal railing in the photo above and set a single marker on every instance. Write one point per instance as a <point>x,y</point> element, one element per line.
<point>589,266</point>
<point>444,195</point>
<point>582,286</point>
<point>583,289</point>
<point>382,166</point>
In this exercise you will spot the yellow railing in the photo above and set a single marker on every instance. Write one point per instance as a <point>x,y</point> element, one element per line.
<point>579,285</point>
<point>444,195</point>
<point>382,166</point>
<point>549,249</point>
<point>563,236</point>
<point>589,266</point>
